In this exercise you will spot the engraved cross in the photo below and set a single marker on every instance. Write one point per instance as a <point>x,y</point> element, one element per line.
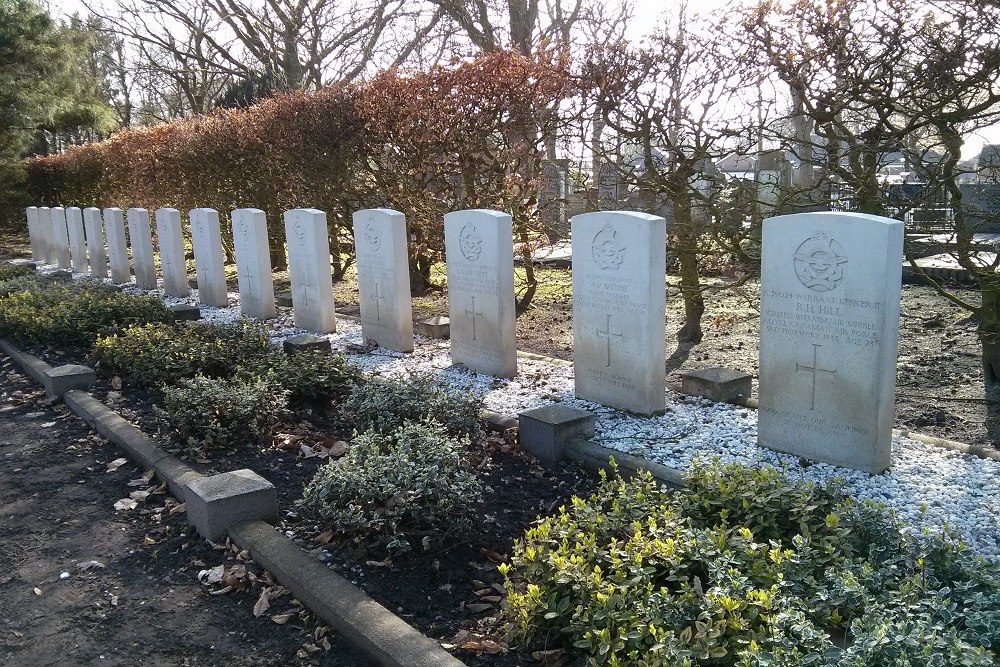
<point>814,369</point>
<point>608,334</point>
<point>473,313</point>
<point>377,296</point>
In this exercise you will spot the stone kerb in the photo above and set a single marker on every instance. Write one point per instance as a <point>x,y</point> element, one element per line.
<point>172,262</point>
<point>77,239</point>
<point>619,309</point>
<point>114,226</point>
<point>37,252</point>
<point>309,269</point>
<point>209,262</point>
<point>141,239</point>
<point>60,238</point>
<point>383,278</point>
<point>96,256</point>
<point>45,243</point>
<point>830,289</point>
<point>253,263</point>
<point>479,251</point>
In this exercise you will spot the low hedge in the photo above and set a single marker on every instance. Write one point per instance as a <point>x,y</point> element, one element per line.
<point>746,568</point>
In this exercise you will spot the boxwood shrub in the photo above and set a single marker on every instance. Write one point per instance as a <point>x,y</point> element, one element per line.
<point>410,485</point>
<point>203,413</point>
<point>747,568</point>
<point>385,405</point>
<point>71,314</point>
<point>155,354</point>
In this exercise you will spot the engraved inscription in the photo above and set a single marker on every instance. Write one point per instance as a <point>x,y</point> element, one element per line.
<point>820,263</point>
<point>607,335</point>
<point>372,237</point>
<point>470,243</point>
<point>607,250</point>
<point>815,370</point>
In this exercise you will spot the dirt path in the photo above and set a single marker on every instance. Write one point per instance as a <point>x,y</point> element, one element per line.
<point>142,604</point>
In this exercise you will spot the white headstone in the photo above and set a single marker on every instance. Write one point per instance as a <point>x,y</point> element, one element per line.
<point>114,226</point>
<point>209,261</point>
<point>34,235</point>
<point>60,238</point>
<point>829,325</point>
<point>142,248</point>
<point>96,255</point>
<point>77,240</point>
<point>479,250</point>
<point>384,278</point>
<point>253,263</point>
<point>172,263</point>
<point>309,270</point>
<point>45,235</point>
<point>619,309</point>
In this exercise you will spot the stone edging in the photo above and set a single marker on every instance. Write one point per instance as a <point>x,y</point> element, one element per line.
<point>365,624</point>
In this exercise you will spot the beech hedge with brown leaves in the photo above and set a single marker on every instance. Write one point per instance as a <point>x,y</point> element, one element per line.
<point>459,136</point>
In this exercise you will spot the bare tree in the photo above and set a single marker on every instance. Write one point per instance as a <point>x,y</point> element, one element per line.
<point>672,107</point>
<point>898,75</point>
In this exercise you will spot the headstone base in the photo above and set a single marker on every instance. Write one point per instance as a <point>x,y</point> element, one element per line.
<point>544,432</point>
<point>723,385</point>
<point>433,327</point>
<point>217,502</point>
<point>305,342</point>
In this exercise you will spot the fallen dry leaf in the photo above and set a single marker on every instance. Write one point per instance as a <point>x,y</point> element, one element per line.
<point>263,603</point>
<point>477,607</point>
<point>212,576</point>
<point>116,464</point>
<point>126,504</point>
<point>90,564</point>
<point>472,641</point>
<point>281,619</point>
<point>180,508</point>
<point>324,537</point>
<point>139,496</point>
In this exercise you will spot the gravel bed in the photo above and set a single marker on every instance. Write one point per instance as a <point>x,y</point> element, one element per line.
<point>929,488</point>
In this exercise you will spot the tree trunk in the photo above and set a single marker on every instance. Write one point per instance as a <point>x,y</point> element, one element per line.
<point>521,233</point>
<point>687,254</point>
<point>989,336</point>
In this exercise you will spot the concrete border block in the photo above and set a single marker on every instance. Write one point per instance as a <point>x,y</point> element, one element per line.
<point>546,431</point>
<point>215,503</point>
<point>722,385</point>
<point>64,378</point>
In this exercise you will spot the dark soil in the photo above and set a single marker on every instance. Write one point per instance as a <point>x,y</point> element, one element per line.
<point>143,605</point>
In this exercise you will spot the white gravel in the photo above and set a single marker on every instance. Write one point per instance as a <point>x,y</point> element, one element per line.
<point>928,487</point>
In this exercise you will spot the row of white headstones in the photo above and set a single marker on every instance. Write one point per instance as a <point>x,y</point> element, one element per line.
<point>829,305</point>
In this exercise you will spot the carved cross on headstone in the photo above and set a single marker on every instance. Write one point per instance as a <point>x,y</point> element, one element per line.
<point>608,334</point>
<point>814,369</point>
<point>473,313</point>
<point>377,296</point>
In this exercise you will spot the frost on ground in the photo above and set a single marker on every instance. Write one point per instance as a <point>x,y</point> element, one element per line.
<point>929,488</point>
